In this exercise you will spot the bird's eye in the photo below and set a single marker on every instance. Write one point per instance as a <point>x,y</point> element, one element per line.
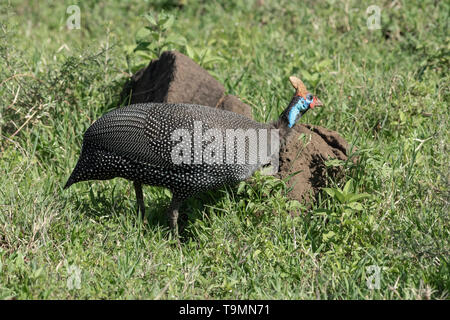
<point>309,97</point>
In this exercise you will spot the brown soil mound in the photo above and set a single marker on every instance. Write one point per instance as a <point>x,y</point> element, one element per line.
<point>305,153</point>
<point>175,78</point>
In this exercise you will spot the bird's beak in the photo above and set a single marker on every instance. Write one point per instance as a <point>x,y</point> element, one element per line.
<point>315,103</point>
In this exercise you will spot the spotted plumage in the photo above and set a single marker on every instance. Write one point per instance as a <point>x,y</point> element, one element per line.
<point>137,143</point>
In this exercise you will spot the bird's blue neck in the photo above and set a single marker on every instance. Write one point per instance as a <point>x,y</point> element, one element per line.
<point>299,106</point>
<point>290,116</point>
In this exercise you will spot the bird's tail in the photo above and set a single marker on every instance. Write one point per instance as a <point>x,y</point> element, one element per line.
<point>69,182</point>
<point>74,176</point>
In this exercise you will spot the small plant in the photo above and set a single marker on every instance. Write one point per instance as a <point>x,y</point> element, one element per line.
<point>203,57</point>
<point>342,224</point>
<point>262,190</point>
<point>154,38</point>
<point>346,201</point>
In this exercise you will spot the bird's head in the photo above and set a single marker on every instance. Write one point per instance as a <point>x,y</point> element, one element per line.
<point>302,101</point>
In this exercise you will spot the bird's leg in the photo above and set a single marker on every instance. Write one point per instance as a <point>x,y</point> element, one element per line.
<point>140,199</point>
<point>172,215</point>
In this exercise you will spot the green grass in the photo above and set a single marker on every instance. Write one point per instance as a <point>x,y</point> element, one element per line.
<point>386,91</point>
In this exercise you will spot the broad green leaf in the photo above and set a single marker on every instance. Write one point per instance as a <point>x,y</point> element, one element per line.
<point>213,59</point>
<point>327,236</point>
<point>334,163</point>
<point>241,187</point>
<point>143,34</point>
<point>142,46</point>
<point>168,23</point>
<point>176,39</point>
<point>402,116</point>
<point>324,64</point>
<point>201,53</point>
<point>151,19</point>
<point>339,195</point>
<point>155,36</point>
<point>329,191</point>
<point>145,55</point>
<point>359,196</point>
<point>190,52</point>
<point>348,186</point>
<point>356,206</point>
<point>306,74</point>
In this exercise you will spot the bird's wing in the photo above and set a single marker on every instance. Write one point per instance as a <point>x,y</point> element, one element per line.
<point>134,133</point>
<point>143,132</point>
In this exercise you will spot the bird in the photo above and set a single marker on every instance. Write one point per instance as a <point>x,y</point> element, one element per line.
<point>164,144</point>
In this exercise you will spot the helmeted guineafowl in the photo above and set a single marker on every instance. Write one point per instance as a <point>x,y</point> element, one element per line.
<point>158,144</point>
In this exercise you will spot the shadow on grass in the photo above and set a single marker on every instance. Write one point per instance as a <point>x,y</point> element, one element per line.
<point>105,202</point>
